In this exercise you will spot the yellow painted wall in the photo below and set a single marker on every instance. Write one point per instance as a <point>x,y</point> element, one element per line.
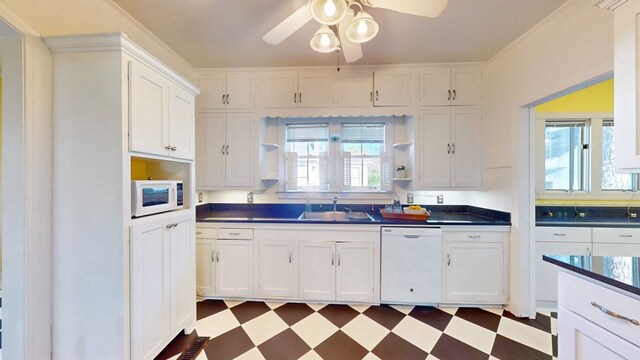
<point>596,98</point>
<point>0,174</point>
<point>139,169</point>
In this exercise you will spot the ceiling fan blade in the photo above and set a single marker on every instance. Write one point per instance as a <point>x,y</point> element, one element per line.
<point>428,8</point>
<point>294,22</point>
<point>352,51</point>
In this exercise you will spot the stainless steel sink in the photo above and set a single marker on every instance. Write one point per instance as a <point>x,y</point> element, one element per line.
<point>335,216</point>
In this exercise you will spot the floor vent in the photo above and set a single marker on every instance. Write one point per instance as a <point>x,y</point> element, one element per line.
<point>194,348</point>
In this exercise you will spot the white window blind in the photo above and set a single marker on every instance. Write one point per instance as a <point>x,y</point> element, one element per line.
<point>307,157</point>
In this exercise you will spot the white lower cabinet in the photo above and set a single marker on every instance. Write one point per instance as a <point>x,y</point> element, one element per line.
<point>475,266</point>
<point>162,279</point>
<point>278,264</point>
<point>341,271</point>
<point>547,274</point>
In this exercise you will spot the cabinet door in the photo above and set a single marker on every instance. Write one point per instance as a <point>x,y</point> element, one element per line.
<point>280,90</point>
<point>354,273</point>
<point>183,296</point>
<point>579,338</point>
<point>466,86</point>
<point>150,289</point>
<point>213,92</point>
<point>234,272</point>
<point>435,149</point>
<point>205,267</point>
<point>392,88</point>
<point>547,274</point>
<point>356,88</point>
<point>210,152</point>
<point>240,91</point>
<point>626,49</point>
<point>149,110</point>
<point>181,123</point>
<point>239,150</point>
<point>277,269</point>
<point>466,150</point>
<point>474,273</point>
<point>435,87</point>
<point>317,271</point>
<point>316,89</point>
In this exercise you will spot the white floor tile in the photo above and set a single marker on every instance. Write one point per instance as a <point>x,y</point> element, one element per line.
<point>554,326</point>
<point>365,331</point>
<point>274,305</point>
<point>217,324</point>
<point>526,335</point>
<point>417,333</point>
<point>314,329</point>
<point>360,308</point>
<point>405,309</point>
<point>311,355</point>
<point>253,354</point>
<point>202,356</point>
<point>232,303</point>
<point>450,310</point>
<point>431,357</point>
<point>264,327</point>
<point>316,307</point>
<point>471,334</point>
<point>371,356</point>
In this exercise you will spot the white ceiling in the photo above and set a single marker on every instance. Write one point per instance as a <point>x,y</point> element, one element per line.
<point>228,33</point>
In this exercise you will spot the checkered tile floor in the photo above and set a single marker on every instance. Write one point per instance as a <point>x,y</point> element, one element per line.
<point>259,330</point>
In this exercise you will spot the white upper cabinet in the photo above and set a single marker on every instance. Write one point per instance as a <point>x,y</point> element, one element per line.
<point>451,86</point>
<point>227,91</point>
<point>450,153</point>
<point>626,49</point>
<point>392,88</point>
<point>309,89</point>
<point>162,115</point>
<point>355,88</point>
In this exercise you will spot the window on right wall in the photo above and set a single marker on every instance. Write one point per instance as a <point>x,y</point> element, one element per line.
<point>610,180</point>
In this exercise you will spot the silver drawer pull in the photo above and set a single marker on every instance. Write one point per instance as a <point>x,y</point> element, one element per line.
<point>613,314</point>
<point>234,234</point>
<point>625,236</point>
<point>559,234</point>
<point>198,232</point>
<point>474,236</point>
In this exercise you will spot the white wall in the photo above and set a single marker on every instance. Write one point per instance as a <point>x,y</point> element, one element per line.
<point>571,46</point>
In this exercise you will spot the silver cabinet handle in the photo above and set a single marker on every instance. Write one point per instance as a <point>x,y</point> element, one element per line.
<point>300,98</point>
<point>222,149</point>
<point>234,233</point>
<point>295,98</point>
<point>198,232</point>
<point>448,148</point>
<point>332,258</point>
<point>588,251</point>
<point>171,226</point>
<point>474,236</point>
<point>454,95</point>
<point>625,236</point>
<point>614,314</point>
<point>217,256</point>
<point>173,148</point>
<point>377,97</point>
<point>338,259</point>
<point>227,149</point>
<point>559,234</point>
<point>227,99</point>
<point>448,260</point>
<point>168,147</point>
<point>289,257</point>
<point>212,258</point>
<point>449,96</point>
<point>453,148</point>
<point>370,96</point>
<point>223,99</point>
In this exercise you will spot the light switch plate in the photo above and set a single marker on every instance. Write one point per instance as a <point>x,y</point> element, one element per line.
<point>200,197</point>
<point>409,198</point>
<point>440,199</point>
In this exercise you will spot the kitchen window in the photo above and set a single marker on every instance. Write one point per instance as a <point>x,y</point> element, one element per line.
<point>611,180</point>
<point>565,145</point>
<point>339,155</point>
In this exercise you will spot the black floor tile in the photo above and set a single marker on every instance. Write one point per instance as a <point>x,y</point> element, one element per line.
<point>393,347</point>
<point>431,316</point>
<point>285,346</point>
<point>209,307</point>
<point>291,313</point>
<point>249,310</point>
<point>339,315</point>
<point>229,345</point>
<point>449,348</point>
<point>340,346</point>
<point>480,317</point>
<point>384,315</point>
<point>505,348</point>
<point>541,322</point>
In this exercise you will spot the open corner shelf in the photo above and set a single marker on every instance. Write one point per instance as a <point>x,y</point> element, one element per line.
<point>402,144</point>
<point>270,145</point>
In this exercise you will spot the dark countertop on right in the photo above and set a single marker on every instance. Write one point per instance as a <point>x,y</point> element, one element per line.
<point>622,272</point>
<point>587,216</point>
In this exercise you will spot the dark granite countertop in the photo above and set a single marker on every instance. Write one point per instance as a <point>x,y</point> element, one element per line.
<point>622,272</point>
<point>594,216</point>
<point>289,213</point>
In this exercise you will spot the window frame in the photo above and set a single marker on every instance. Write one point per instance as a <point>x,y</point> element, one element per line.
<point>335,164</point>
<point>594,189</point>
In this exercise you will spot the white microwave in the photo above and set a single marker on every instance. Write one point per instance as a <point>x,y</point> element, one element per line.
<point>155,196</point>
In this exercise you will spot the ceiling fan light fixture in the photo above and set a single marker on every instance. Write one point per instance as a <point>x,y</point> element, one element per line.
<point>328,12</point>
<point>362,29</point>
<point>324,40</point>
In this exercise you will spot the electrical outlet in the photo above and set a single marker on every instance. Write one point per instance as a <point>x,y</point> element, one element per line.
<point>199,197</point>
<point>440,199</point>
<point>250,198</point>
<point>409,198</point>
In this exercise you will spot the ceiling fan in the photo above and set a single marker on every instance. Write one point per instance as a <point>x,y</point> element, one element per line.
<point>353,29</point>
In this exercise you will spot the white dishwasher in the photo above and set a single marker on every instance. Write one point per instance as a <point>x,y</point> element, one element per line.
<point>411,265</point>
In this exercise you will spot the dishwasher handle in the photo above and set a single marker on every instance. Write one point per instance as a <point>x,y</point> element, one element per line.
<point>412,236</point>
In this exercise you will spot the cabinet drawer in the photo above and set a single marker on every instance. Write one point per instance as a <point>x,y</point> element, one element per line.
<point>474,236</point>
<point>238,234</point>
<point>616,235</point>
<point>564,234</point>
<point>206,233</point>
<point>577,295</point>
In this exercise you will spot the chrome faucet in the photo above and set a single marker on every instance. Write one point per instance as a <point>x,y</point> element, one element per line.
<point>335,201</point>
